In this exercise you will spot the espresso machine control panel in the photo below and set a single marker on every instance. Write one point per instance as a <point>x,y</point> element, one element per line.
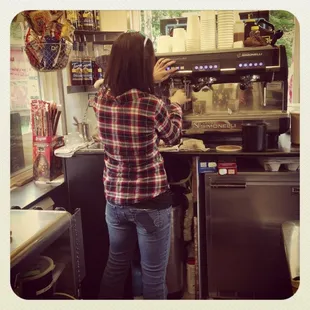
<point>227,61</point>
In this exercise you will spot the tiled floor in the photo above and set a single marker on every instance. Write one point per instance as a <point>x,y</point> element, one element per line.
<point>185,296</point>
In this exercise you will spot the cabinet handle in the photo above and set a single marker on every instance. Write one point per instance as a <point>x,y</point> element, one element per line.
<point>232,185</point>
<point>295,190</point>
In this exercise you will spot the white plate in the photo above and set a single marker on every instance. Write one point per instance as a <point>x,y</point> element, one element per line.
<point>225,43</point>
<point>228,32</point>
<point>208,29</point>
<point>225,33</point>
<point>226,21</point>
<point>221,14</point>
<point>225,28</point>
<point>225,17</point>
<point>228,148</point>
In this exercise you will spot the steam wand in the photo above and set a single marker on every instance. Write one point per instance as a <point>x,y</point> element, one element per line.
<point>247,80</point>
<point>204,84</point>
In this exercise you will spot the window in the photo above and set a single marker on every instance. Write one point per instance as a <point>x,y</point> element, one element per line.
<point>24,86</point>
<point>284,20</point>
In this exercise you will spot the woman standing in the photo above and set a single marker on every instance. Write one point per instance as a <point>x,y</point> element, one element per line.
<point>131,121</point>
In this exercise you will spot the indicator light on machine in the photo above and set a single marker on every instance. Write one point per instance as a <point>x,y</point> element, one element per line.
<point>210,66</point>
<point>168,68</point>
<point>201,67</point>
<point>250,64</point>
<point>255,64</point>
<point>240,65</point>
<point>245,65</point>
<point>260,63</point>
<point>215,66</point>
<point>196,67</point>
<point>206,67</point>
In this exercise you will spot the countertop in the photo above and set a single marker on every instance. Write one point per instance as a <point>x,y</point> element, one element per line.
<point>284,149</point>
<point>45,226</point>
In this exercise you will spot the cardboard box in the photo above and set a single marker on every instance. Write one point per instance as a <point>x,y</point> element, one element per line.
<point>227,167</point>
<point>208,166</point>
<point>46,166</point>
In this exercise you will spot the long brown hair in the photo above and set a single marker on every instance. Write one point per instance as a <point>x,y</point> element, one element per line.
<point>130,64</point>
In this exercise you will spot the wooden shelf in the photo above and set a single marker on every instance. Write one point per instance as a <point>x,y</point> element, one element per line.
<point>98,37</point>
<point>94,32</point>
<point>80,89</point>
<point>107,42</point>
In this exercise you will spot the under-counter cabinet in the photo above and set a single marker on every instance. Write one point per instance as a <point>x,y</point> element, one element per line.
<point>245,252</point>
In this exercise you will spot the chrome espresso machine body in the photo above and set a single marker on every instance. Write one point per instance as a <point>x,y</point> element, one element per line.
<point>231,87</point>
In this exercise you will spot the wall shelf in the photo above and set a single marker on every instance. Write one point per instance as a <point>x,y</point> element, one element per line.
<point>98,37</point>
<point>80,89</point>
<point>94,32</point>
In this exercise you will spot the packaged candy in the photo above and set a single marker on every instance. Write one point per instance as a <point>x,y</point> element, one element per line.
<point>54,29</point>
<point>39,20</point>
<point>67,31</point>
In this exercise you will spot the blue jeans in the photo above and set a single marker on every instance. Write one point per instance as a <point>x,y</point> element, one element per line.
<point>151,228</point>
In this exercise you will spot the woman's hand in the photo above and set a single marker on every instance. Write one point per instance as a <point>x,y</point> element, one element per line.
<point>160,73</point>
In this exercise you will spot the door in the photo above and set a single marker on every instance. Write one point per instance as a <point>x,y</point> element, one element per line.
<point>245,252</point>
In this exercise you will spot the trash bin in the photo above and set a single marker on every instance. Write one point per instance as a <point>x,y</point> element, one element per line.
<point>291,241</point>
<point>175,268</point>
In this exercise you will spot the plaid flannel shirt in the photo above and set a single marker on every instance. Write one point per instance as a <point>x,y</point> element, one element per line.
<point>130,127</point>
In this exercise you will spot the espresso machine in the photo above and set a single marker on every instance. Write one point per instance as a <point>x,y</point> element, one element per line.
<point>231,87</point>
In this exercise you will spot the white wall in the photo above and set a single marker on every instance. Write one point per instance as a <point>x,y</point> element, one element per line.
<point>296,63</point>
<point>114,20</point>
